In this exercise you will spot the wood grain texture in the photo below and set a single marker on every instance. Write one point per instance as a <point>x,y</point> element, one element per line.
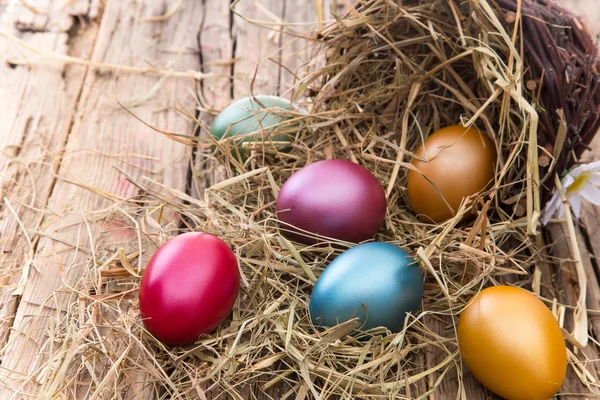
<point>257,50</point>
<point>295,48</point>
<point>566,289</point>
<point>216,41</point>
<point>588,236</point>
<point>216,51</point>
<point>38,99</point>
<point>104,136</point>
<point>257,71</point>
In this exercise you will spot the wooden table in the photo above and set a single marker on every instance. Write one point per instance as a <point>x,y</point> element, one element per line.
<point>69,140</point>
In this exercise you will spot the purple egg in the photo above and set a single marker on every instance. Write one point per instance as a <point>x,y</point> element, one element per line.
<point>333,198</point>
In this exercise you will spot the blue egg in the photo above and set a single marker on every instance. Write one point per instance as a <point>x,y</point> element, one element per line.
<point>377,282</point>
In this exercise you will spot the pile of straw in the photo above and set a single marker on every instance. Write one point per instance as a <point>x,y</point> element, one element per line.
<point>394,72</point>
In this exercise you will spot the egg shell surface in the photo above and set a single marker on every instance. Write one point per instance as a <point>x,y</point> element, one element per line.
<point>459,162</point>
<point>377,282</point>
<point>512,344</point>
<point>252,119</point>
<point>332,198</point>
<point>188,288</point>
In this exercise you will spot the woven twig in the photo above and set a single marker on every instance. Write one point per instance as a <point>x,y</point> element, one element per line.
<point>562,56</point>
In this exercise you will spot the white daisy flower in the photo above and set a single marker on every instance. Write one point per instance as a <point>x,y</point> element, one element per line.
<point>579,183</point>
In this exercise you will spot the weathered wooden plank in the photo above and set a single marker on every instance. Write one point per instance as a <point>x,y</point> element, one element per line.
<point>39,102</point>
<point>216,40</point>
<point>257,49</point>
<point>567,290</point>
<point>25,82</point>
<point>104,136</point>
<point>590,13</point>
<point>588,233</point>
<point>257,72</point>
<point>49,15</point>
<point>590,214</point>
<point>296,52</point>
<point>216,52</point>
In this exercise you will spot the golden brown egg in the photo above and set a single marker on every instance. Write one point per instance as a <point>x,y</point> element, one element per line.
<point>459,162</point>
<point>512,344</point>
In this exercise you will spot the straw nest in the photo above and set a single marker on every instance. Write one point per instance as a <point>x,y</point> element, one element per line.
<point>384,77</point>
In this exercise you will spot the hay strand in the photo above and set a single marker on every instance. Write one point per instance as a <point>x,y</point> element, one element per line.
<point>394,73</point>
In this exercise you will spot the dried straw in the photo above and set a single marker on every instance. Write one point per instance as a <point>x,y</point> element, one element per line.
<point>393,74</point>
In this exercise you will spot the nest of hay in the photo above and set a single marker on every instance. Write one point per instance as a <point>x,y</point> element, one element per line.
<point>386,75</point>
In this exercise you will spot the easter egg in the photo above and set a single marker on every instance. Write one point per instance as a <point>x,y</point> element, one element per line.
<point>334,199</point>
<point>454,163</point>
<point>253,120</point>
<point>512,344</point>
<point>188,288</point>
<point>377,282</point>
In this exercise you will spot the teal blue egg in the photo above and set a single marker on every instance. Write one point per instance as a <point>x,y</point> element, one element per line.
<point>254,121</point>
<point>377,282</point>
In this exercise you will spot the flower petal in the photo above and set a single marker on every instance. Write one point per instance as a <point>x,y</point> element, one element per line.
<point>567,181</point>
<point>594,179</point>
<point>551,208</point>
<point>575,172</point>
<point>594,166</point>
<point>589,167</point>
<point>561,212</point>
<point>575,202</point>
<point>591,193</point>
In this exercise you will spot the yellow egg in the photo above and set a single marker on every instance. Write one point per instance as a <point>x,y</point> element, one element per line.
<point>457,162</point>
<point>512,344</point>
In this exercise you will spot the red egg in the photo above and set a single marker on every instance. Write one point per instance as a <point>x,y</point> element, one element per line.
<point>188,288</point>
<point>333,198</point>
